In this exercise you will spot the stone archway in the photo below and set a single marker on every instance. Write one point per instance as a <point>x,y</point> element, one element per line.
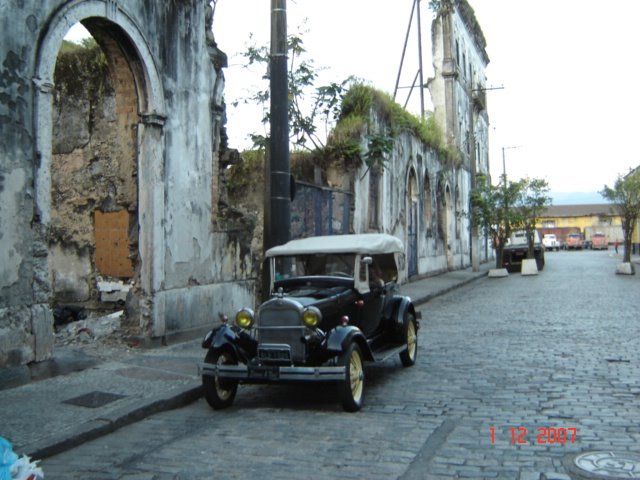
<point>139,87</point>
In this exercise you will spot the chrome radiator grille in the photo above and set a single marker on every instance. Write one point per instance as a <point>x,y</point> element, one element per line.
<point>279,322</point>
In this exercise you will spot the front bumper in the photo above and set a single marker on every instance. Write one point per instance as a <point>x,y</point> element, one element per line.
<point>262,374</point>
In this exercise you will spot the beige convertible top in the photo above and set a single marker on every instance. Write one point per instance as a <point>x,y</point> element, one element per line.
<point>364,243</point>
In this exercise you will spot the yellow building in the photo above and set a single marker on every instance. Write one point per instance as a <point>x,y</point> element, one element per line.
<point>588,219</point>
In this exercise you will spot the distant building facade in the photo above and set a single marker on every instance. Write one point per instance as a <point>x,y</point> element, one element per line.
<point>587,219</point>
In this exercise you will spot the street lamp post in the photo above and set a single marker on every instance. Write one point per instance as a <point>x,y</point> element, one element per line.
<point>504,165</point>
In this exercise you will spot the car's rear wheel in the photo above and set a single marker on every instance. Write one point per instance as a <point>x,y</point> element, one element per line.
<point>219,392</point>
<point>351,390</point>
<point>408,356</point>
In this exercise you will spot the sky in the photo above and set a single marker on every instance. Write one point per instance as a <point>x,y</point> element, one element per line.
<point>568,107</point>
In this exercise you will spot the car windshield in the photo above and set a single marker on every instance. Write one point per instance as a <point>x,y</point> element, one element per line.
<point>341,265</point>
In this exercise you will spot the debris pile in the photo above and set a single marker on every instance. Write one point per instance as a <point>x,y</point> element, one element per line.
<point>88,329</point>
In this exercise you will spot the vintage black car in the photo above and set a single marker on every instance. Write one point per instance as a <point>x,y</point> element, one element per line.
<point>334,306</point>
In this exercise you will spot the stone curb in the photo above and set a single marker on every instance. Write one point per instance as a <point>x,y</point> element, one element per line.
<point>419,300</point>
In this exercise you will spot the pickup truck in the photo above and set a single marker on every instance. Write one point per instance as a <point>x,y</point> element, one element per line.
<point>574,240</point>
<point>550,242</point>
<point>517,249</point>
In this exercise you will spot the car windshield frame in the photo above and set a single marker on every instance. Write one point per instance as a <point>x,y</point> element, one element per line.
<point>317,264</point>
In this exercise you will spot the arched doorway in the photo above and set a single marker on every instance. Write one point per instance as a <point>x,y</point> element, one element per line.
<point>111,226</point>
<point>445,231</point>
<point>428,205</point>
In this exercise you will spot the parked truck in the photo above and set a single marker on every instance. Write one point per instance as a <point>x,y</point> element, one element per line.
<point>560,233</point>
<point>599,241</point>
<point>550,242</point>
<point>517,250</point>
<point>574,241</point>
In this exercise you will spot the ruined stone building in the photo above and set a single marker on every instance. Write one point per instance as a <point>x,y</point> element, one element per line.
<point>423,195</point>
<point>114,194</point>
<point>134,196</point>
<point>458,91</point>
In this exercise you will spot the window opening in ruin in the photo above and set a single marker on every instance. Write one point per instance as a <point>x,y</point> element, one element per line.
<point>94,234</point>
<point>374,198</point>
<point>412,226</point>
<point>428,205</point>
<point>458,213</point>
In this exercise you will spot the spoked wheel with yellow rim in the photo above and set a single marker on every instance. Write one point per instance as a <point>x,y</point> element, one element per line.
<point>351,390</point>
<point>410,328</point>
<point>219,392</point>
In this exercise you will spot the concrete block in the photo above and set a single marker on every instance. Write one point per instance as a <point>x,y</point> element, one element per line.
<point>113,291</point>
<point>42,328</point>
<point>498,273</point>
<point>529,267</point>
<point>625,268</point>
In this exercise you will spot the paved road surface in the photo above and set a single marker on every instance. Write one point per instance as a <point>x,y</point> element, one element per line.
<point>551,361</point>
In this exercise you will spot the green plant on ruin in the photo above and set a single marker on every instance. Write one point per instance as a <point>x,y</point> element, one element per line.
<point>82,67</point>
<point>241,177</point>
<point>346,106</point>
<point>304,163</point>
<point>358,103</point>
<point>309,106</point>
<point>344,142</point>
<point>379,146</point>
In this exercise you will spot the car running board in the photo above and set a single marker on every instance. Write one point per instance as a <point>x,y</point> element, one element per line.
<point>385,353</point>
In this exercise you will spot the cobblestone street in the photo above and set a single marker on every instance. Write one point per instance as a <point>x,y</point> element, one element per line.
<point>515,376</point>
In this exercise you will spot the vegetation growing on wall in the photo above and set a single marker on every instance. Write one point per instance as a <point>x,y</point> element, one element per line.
<point>358,103</point>
<point>243,175</point>
<point>346,106</point>
<point>82,67</point>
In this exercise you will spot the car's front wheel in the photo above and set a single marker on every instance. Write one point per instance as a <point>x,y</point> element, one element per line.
<point>351,390</point>
<point>219,392</point>
<point>410,327</point>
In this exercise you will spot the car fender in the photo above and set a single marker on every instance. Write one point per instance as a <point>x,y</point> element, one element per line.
<point>225,336</point>
<point>220,336</point>
<point>339,339</point>
<point>402,306</point>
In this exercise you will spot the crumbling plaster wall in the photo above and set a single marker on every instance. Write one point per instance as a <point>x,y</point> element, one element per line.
<point>179,93</point>
<point>434,254</point>
<point>459,62</point>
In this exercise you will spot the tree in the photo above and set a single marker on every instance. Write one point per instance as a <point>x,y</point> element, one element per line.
<point>492,208</point>
<point>532,201</point>
<point>625,195</point>
<point>308,105</point>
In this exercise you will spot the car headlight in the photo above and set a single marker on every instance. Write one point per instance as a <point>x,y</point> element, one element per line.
<point>311,317</point>
<point>244,318</point>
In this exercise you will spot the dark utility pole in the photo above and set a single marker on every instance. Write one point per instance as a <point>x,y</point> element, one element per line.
<point>277,195</point>
<point>278,211</point>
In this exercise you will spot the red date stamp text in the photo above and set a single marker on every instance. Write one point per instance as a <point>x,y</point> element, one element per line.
<point>540,436</point>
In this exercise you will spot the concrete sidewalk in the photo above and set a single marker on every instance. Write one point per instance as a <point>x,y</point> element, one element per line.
<point>84,398</point>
